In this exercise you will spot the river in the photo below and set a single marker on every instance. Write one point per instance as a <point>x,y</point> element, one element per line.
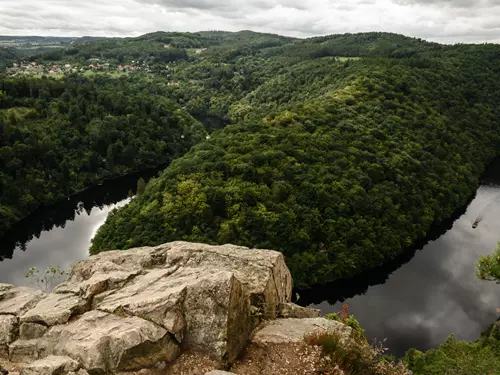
<point>60,235</point>
<point>415,301</point>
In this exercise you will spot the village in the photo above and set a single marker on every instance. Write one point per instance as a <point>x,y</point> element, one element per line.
<point>32,68</point>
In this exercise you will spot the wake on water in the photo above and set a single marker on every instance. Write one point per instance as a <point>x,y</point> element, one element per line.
<point>486,210</point>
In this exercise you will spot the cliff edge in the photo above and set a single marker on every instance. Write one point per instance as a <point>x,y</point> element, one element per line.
<point>153,310</point>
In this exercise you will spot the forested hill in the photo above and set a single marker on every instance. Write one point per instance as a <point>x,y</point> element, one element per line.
<point>58,137</point>
<point>162,46</point>
<point>340,163</point>
<point>341,151</point>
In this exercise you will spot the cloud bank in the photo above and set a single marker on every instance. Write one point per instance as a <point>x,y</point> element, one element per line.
<point>447,21</point>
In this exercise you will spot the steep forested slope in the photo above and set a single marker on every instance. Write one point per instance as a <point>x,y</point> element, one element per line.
<point>339,164</point>
<point>58,137</point>
<point>7,57</point>
<point>460,357</point>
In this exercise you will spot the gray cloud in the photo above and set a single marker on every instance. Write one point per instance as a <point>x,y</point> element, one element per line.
<point>442,20</point>
<point>453,3</point>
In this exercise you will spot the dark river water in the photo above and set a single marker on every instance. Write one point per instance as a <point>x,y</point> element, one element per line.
<point>420,298</point>
<point>414,301</point>
<point>60,235</point>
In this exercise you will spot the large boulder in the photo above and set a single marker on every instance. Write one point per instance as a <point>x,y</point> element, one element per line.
<point>205,311</point>
<point>263,273</point>
<point>153,296</point>
<point>103,342</point>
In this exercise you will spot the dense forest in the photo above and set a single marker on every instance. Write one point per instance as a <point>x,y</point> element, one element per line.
<point>7,57</point>
<point>340,151</point>
<point>59,137</point>
<point>339,163</point>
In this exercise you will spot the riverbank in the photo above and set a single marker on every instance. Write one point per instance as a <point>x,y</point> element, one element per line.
<point>431,291</point>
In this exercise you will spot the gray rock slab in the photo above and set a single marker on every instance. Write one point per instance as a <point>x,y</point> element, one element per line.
<point>51,365</point>
<point>18,300</point>
<point>105,342</point>
<point>291,310</point>
<point>54,309</point>
<point>262,273</point>
<point>8,329</point>
<point>24,351</point>
<point>30,331</point>
<point>283,331</point>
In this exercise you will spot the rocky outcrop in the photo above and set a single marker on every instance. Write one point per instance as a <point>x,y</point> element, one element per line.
<point>13,303</point>
<point>54,309</point>
<point>51,365</point>
<point>135,309</point>
<point>284,331</point>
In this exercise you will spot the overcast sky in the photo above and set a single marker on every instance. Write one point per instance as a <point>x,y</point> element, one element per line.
<point>447,21</point>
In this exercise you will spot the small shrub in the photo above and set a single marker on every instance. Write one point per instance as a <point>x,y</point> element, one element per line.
<point>46,280</point>
<point>329,343</point>
<point>348,319</point>
<point>353,356</point>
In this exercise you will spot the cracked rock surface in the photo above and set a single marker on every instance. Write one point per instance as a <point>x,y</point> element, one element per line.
<point>130,310</point>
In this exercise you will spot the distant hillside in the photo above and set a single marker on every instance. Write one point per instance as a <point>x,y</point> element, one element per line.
<point>37,39</point>
<point>357,45</point>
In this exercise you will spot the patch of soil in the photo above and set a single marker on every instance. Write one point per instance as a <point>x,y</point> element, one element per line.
<point>282,359</point>
<point>10,366</point>
<point>191,364</point>
<point>187,364</point>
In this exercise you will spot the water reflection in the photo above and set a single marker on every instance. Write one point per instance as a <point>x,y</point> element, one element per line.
<point>62,246</point>
<point>61,234</point>
<point>414,301</point>
<point>436,293</point>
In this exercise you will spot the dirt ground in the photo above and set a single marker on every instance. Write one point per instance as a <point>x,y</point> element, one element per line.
<point>11,367</point>
<point>269,359</point>
<point>282,359</point>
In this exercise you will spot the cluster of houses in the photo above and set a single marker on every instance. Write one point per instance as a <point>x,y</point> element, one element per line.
<point>34,69</point>
<point>127,68</point>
